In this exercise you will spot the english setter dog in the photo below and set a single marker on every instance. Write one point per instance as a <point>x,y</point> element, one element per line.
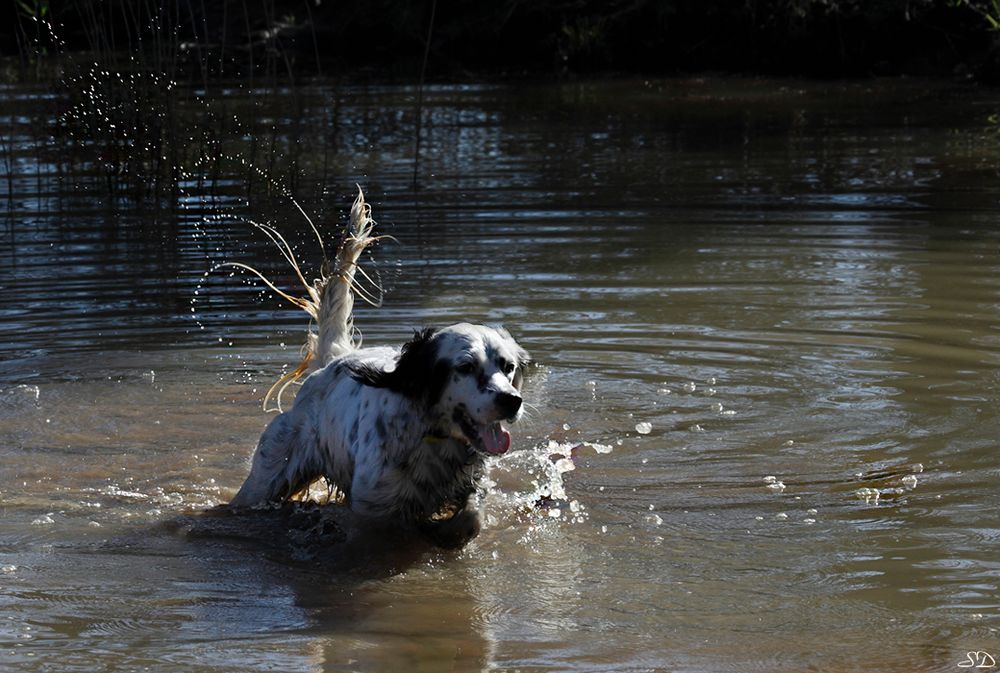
<point>402,433</point>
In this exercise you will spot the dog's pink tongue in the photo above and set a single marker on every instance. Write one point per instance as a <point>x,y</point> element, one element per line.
<point>496,440</point>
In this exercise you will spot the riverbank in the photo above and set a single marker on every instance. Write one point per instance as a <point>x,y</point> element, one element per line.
<point>404,40</point>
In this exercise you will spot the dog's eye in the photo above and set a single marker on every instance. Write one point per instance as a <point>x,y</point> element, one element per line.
<point>465,367</point>
<point>508,368</point>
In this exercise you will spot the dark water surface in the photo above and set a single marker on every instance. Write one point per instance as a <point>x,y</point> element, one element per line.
<point>768,321</point>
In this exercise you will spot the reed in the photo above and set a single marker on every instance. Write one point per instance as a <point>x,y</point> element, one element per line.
<point>142,77</point>
<point>7,153</point>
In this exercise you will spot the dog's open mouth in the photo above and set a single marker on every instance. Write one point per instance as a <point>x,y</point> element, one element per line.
<point>495,438</point>
<point>491,438</point>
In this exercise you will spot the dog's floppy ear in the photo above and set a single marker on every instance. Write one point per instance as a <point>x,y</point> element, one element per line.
<point>522,357</point>
<point>418,371</point>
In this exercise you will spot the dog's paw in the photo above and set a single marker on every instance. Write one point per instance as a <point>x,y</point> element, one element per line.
<point>454,532</point>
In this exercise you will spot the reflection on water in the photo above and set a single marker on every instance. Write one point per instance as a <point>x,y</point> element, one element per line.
<point>762,436</point>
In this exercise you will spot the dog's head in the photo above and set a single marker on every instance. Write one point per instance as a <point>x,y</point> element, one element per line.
<point>468,376</point>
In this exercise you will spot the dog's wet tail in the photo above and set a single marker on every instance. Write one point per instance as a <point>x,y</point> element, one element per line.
<point>335,333</point>
<point>330,300</point>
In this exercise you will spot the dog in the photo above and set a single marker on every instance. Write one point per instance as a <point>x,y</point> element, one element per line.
<point>401,434</point>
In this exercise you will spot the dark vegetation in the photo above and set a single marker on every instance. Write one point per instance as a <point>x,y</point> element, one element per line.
<point>387,38</point>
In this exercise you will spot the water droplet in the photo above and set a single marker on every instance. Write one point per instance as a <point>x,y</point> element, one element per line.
<point>869,495</point>
<point>644,428</point>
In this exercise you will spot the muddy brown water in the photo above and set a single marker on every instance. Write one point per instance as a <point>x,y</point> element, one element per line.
<point>767,317</point>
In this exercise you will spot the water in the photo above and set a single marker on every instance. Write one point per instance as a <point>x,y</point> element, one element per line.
<point>764,419</point>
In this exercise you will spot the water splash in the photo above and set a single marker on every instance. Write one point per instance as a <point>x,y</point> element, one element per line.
<point>19,397</point>
<point>186,149</point>
<point>533,482</point>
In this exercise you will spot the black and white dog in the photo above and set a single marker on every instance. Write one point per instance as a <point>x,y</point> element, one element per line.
<point>402,434</point>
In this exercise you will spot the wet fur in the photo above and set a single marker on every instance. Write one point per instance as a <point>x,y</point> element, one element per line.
<point>390,428</point>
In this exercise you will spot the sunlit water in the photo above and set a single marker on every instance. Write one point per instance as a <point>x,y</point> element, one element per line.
<point>763,432</point>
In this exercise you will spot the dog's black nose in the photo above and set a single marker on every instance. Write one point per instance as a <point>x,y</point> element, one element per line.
<point>508,404</point>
